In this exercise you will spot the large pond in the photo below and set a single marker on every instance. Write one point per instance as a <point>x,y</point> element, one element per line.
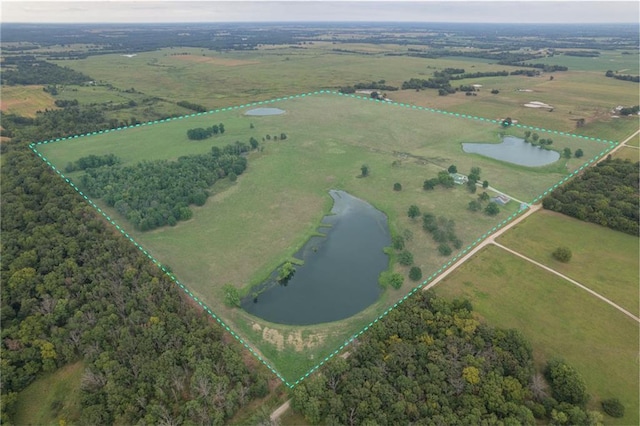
<point>265,111</point>
<point>514,150</point>
<point>339,277</point>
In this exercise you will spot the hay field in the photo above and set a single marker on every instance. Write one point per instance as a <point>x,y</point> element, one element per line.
<point>25,100</point>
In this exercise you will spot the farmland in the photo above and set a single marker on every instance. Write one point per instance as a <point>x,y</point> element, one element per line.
<point>273,209</point>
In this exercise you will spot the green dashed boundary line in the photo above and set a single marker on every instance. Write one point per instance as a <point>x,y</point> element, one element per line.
<point>609,146</point>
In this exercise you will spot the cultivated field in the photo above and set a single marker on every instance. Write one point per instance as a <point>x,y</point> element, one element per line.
<point>559,319</point>
<point>247,229</point>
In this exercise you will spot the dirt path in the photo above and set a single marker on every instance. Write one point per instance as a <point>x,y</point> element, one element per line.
<point>483,244</point>
<point>275,416</point>
<point>574,282</point>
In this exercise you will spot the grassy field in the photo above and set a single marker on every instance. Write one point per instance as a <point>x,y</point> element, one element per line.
<point>559,319</point>
<point>604,260</point>
<point>628,153</point>
<point>25,100</point>
<point>251,227</point>
<point>51,399</point>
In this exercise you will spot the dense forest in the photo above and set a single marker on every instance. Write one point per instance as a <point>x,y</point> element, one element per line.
<point>430,362</point>
<point>152,194</point>
<point>32,71</point>
<point>75,290</point>
<point>606,194</point>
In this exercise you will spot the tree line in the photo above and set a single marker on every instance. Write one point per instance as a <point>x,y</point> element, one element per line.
<point>624,77</point>
<point>152,194</point>
<point>32,71</point>
<point>429,361</point>
<point>200,133</point>
<point>74,290</point>
<point>606,194</point>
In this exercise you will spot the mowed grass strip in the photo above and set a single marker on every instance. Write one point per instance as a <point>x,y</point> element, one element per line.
<point>25,100</point>
<point>604,260</point>
<point>628,153</point>
<point>559,319</point>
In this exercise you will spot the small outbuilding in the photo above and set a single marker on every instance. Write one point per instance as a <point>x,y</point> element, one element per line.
<point>501,199</point>
<point>458,178</point>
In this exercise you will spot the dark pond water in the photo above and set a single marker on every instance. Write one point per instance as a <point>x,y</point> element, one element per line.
<point>514,150</point>
<point>339,277</point>
<point>265,111</point>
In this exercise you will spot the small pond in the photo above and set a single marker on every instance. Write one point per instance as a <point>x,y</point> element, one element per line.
<point>514,150</point>
<point>265,111</point>
<point>339,277</point>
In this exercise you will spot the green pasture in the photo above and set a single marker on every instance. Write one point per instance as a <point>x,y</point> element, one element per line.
<point>608,60</point>
<point>53,399</point>
<point>249,228</point>
<point>604,260</point>
<point>559,319</point>
<point>217,79</point>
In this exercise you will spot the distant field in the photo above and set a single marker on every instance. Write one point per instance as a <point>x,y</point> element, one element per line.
<point>612,60</point>
<point>559,319</point>
<point>52,399</point>
<point>25,100</point>
<point>604,260</point>
<point>206,78</point>
<point>250,228</point>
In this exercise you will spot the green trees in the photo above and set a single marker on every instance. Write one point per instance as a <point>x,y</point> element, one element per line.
<point>285,272</point>
<point>566,384</point>
<point>485,184</point>
<point>492,209</point>
<point>443,231</point>
<point>413,212</point>
<point>427,359</point>
<point>397,241</point>
<point>475,206</point>
<point>156,193</point>
<point>364,170</point>
<point>231,296</point>
<point>445,179</point>
<point>430,184</point>
<point>393,279</point>
<point>579,153</point>
<point>452,169</point>
<point>613,407</point>
<point>566,153</point>
<point>606,194</point>
<point>405,258</point>
<point>397,187</point>
<point>200,133</point>
<point>415,273</point>
<point>562,254</point>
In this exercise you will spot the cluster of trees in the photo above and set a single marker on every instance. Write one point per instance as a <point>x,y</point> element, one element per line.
<point>200,133</point>
<point>582,53</point>
<point>374,85</point>
<point>624,77</point>
<point>63,103</point>
<point>430,360</point>
<point>630,110</point>
<point>444,179</point>
<point>73,290</point>
<point>91,162</point>
<point>534,139</point>
<point>191,106</point>
<point>491,208</point>
<point>152,194</point>
<point>29,70</point>
<point>443,232</point>
<point>606,194</point>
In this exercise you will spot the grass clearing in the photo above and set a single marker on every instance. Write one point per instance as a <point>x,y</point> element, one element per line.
<point>604,260</point>
<point>25,100</point>
<point>52,399</point>
<point>245,231</point>
<point>559,319</point>
<point>628,153</point>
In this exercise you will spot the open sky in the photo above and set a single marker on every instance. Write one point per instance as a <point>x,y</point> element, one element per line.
<point>139,11</point>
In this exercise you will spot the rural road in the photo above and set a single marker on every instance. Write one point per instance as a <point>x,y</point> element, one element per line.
<point>275,416</point>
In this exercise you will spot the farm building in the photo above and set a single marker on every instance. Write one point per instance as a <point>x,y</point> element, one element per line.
<point>501,199</point>
<point>458,178</point>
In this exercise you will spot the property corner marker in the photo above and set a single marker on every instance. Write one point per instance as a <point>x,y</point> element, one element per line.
<point>608,146</point>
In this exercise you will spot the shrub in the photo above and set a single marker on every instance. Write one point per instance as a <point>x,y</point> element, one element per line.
<point>613,407</point>
<point>415,274</point>
<point>413,212</point>
<point>444,249</point>
<point>397,187</point>
<point>566,383</point>
<point>397,242</point>
<point>492,208</point>
<point>562,254</point>
<point>405,258</point>
<point>475,205</point>
<point>393,279</point>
